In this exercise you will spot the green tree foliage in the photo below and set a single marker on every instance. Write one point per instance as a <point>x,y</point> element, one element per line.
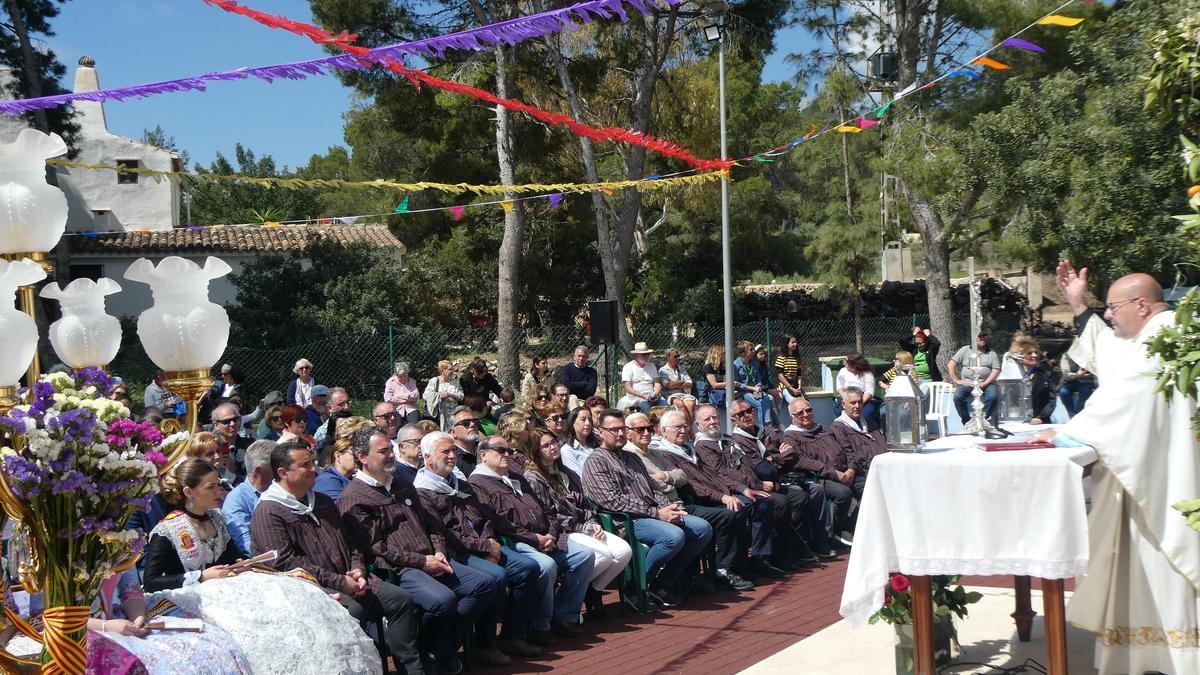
<point>36,70</point>
<point>231,202</point>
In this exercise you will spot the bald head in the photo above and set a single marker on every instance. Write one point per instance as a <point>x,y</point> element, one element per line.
<point>1132,300</point>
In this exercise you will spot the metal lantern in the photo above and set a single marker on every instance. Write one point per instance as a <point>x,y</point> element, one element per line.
<point>906,431</point>
<point>1012,390</point>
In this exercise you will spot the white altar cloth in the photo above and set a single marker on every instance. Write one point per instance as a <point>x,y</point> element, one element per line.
<point>960,510</point>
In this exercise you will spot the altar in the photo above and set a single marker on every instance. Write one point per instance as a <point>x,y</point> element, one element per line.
<point>956,508</point>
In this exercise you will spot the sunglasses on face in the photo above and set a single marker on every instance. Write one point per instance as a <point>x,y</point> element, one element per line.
<point>503,451</point>
<point>226,421</point>
<point>743,413</point>
<point>556,418</point>
<point>545,397</point>
<point>275,418</point>
<point>467,423</point>
<point>641,430</point>
<point>802,411</point>
<point>616,431</point>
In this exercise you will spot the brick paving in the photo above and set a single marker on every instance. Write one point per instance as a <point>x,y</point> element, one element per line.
<point>716,635</point>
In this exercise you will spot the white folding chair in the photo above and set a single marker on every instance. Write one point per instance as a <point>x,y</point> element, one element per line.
<point>941,397</point>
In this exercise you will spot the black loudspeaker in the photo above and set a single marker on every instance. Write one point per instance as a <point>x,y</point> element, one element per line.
<point>603,321</point>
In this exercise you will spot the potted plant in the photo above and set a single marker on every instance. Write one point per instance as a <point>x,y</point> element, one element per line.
<point>948,598</point>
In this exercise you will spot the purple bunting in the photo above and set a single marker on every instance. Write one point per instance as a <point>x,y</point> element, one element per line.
<point>508,32</point>
<point>556,199</point>
<point>1023,44</point>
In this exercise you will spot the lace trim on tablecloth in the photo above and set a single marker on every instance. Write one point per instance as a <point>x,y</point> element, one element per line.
<point>1043,569</point>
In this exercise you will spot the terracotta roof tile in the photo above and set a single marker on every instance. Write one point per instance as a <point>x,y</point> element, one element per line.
<point>222,238</point>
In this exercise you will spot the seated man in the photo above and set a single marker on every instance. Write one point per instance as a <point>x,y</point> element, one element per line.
<point>467,435</point>
<point>809,452</point>
<point>965,367</point>
<point>226,422</point>
<point>857,445</point>
<point>724,458</point>
<point>539,537</point>
<point>760,447</point>
<point>408,453</point>
<point>385,520</point>
<point>578,377</point>
<point>706,495</point>
<point>617,480</point>
<point>677,385</point>
<point>317,411</point>
<point>475,528</point>
<point>639,377</point>
<point>239,504</point>
<point>304,528</point>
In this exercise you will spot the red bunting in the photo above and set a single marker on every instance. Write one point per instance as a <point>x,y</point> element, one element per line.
<point>418,77</point>
<point>317,34</point>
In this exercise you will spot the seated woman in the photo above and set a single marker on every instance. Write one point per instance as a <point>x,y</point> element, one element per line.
<point>191,545</point>
<point>581,442</point>
<point>560,493</point>
<point>272,425</point>
<point>207,446</point>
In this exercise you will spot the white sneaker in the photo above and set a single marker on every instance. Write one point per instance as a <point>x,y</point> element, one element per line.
<point>845,538</point>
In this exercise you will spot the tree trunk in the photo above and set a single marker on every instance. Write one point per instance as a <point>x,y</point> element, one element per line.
<point>858,320</point>
<point>508,301</point>
<point>33,80</point>
<point>937,266</point>
<point>616,241</point>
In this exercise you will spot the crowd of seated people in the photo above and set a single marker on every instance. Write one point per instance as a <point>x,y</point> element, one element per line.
<point>459,514</point>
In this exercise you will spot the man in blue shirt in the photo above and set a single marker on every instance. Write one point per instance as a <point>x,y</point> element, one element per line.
<point>240,502</point>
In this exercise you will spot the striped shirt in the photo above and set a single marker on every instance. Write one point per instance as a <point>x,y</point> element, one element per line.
<point>789,367</point>
<point>617,480</point>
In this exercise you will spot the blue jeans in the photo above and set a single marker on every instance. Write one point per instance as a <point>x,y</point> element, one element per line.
<point>1075,394</point>
<point>672,547</point>
<point>451,602</point>
<point>963,399</point>
<point>523,577</point>
<point>576,564</point>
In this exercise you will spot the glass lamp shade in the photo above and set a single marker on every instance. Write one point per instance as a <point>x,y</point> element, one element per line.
<point>18,332</point>
<point>183,330</point>
<point>905,409</point>
<point>1012,391</point>
<point>33,213</point>
<point>85,335</point>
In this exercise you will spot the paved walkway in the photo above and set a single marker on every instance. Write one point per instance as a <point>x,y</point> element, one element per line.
<point>719,635</point>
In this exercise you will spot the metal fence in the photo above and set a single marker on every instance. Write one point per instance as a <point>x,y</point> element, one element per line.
<point>362,363</point>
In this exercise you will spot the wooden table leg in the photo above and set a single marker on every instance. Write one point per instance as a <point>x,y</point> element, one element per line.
<point>1056,626</point>
<point>922,615</point>
<point>1024,614</point>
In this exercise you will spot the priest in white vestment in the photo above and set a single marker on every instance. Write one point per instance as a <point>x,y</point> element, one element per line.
<point>1140,595</point>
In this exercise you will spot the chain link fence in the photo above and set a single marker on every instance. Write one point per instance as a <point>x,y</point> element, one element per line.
<point>362,364</point>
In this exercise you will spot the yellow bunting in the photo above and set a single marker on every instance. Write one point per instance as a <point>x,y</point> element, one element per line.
<point>507,204</point>
<point>1060,20</point>
<point>382,184</point>
<point>990,63</point>
<point>272,223</point>
<point>848,129</point>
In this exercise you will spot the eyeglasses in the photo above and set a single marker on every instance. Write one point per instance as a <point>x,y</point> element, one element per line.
<point>557,417</point>
<point>802,411</point>
<point>503,451</point>
<point>304,368</point>
<point>467,423</point>
<point>674,426</point>
<point>641,430</point>
<point>616,431</point>
<point>226,421</point>
<point>387,416</point>
<point>564,395</point>
<point>275,418</point>
<point>411,441</point>
<point>743,413</point>
<point>1113,306</point>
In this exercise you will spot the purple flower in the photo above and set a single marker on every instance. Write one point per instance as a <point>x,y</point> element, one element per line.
<point>77,425</point>
<point>95,377</point>
<point>43,398</point>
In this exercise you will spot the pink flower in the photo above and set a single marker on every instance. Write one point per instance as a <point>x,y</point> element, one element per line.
<point>156,457</point>
<point>899,583</point>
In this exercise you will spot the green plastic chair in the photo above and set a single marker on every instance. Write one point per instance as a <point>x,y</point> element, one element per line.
<point>635,571</point>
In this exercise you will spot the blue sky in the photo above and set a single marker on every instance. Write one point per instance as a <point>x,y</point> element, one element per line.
<point>137,41</point>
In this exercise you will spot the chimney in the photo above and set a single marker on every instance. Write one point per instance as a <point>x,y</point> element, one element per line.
<point>90,114</point>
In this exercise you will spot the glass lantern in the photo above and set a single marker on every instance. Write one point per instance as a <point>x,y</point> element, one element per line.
<point>1012,391</point>
<point>906,430</point>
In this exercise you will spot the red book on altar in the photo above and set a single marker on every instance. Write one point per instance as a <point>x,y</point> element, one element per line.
<point>1019,445</point>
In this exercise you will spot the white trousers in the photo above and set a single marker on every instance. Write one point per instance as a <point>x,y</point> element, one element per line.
<point>612,555</point>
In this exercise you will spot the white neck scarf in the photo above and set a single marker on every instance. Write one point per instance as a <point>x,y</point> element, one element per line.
<point>701,436</point>
<point>683,451</point>
<point>845,419</point>
<point>485,470</point>
<point>277,494</point>
<point>762,449</point>
<point>427,480</point>
<point>362,475</point>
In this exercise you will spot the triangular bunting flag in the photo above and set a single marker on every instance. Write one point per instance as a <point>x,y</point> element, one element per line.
<point>965,72</point>
<point>348,220</point>
<point>907,90</point>
<point>880,112</point>
<point>847,129</point>
<point>1023,44</point>
<point>990,63</point>
<point>556,198</point>
<point>93,235</point>
<point>272,223</point>
<point>402,207</point>
<point>1060,20</point>
<point>864,123</point>
<point>760,158</point>
<point>456,212</point>
<point>507,205</point>
<point>608,190</point>
<point>811,131</point>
